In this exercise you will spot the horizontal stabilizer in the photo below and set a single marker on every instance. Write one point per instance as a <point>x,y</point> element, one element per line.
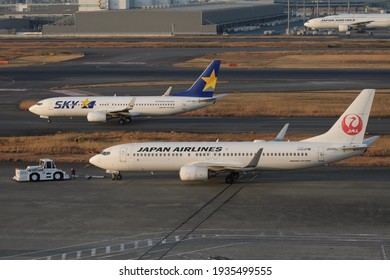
<point>212,99</point>
<point>370,140</point>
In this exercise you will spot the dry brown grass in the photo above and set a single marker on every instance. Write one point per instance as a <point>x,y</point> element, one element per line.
<point>298,59</point>
<point>287,104</point>
<point>27,57</point>
<point>200,42</point>
<point>16,53</point>
<point>63,148</point>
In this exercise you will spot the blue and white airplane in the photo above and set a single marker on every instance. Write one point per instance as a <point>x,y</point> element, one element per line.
<point>202,160</point>
<point>103,108</point>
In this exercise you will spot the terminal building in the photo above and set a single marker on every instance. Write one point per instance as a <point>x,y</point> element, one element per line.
<point>160,18</point>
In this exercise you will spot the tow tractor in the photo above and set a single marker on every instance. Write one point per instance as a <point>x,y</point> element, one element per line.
<point>45,171</point>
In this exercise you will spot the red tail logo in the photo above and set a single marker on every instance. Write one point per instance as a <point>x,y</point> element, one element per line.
<point>352,124</point>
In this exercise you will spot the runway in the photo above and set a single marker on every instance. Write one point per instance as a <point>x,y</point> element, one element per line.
<point>324,213</point>
<point>26,124</point>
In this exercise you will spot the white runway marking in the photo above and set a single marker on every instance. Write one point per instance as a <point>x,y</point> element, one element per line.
<point>383,252</point>
<point>13,89</point>
<point>113,63</point>
<point>78,255</point>
<point>69,92</point>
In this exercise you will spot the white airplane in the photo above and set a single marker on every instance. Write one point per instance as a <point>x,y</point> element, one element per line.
<point>202,160</point>
<point>103,108</point>
<point>346,22</point>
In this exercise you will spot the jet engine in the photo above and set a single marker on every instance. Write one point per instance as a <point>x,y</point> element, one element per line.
<point>344,28</point>
<point>97,117</point>
<point>193,173</point>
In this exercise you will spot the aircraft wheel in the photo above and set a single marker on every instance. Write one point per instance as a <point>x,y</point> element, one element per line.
<point>119,177</point>
<point>229,179</point>
<point>49,120</point>
<point>34,177</point>
<point>57,176</point>
<point>235,175</point>
<point>121,121</point>
<point>128,119</point>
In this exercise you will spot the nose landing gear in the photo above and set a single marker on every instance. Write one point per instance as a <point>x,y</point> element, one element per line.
<point>116,175</point>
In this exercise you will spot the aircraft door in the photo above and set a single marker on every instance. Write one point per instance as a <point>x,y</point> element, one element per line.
<point>51,105</point>
<point>123,154</point>
<point>321,154</point>
<point>183,106</point>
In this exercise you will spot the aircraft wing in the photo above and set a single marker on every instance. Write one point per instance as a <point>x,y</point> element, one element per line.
<point>124,112</point>
<point>232,166</point>
<point>360,24</point>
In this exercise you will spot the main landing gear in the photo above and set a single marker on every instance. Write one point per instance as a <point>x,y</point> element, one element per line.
<point>232,177</point>
<point>124,120</point>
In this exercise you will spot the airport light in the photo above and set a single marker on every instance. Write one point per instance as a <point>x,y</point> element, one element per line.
<point>288,18</point>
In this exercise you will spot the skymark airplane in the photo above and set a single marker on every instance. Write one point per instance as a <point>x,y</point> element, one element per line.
<point>346,22</point>
<point>202,160</point>
<point>103,108</point>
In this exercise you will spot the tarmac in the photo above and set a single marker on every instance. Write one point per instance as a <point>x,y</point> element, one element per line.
<point>322,213</point>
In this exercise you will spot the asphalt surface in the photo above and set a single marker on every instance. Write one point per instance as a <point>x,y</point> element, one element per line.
<point>324,213</point>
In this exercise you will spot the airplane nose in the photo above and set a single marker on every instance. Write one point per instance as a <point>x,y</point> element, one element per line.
<point>307,24</point>
<point>94,160</point>
<point>34,109</point>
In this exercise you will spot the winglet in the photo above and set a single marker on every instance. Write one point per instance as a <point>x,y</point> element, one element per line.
<point>131,104</point>
<point>282,133</point>
<point>255,160</point>
<point>168,92</point>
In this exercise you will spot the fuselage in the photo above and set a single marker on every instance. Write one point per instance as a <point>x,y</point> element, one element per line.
<point>172,156</point>
<point>335,21</point>
<point>136,106</point>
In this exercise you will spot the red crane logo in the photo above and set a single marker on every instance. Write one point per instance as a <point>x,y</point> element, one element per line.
<point>352,124</point>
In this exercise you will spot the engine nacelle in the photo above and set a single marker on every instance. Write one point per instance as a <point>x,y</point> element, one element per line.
<point>344,28</point>
<point>97,117</point>
<point>194,173</point>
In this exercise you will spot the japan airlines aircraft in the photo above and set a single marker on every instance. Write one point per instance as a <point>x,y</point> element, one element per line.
<point>348,22</point>
<point>103,108</point>
<point>202,160</point>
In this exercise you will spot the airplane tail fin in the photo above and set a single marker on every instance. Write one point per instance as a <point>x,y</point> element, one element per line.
<point>205,85</point>
<point>351,126</point>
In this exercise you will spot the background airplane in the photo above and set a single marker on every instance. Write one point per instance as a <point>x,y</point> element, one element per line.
<point>202,160</point>
<point>346,22</point>
<point>103,108</point>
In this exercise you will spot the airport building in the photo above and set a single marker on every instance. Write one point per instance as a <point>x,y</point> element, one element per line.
<point>166,19</point>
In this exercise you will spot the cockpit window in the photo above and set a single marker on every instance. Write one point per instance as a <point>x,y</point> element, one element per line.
<point>105,153</point>
<point>39,103</point>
